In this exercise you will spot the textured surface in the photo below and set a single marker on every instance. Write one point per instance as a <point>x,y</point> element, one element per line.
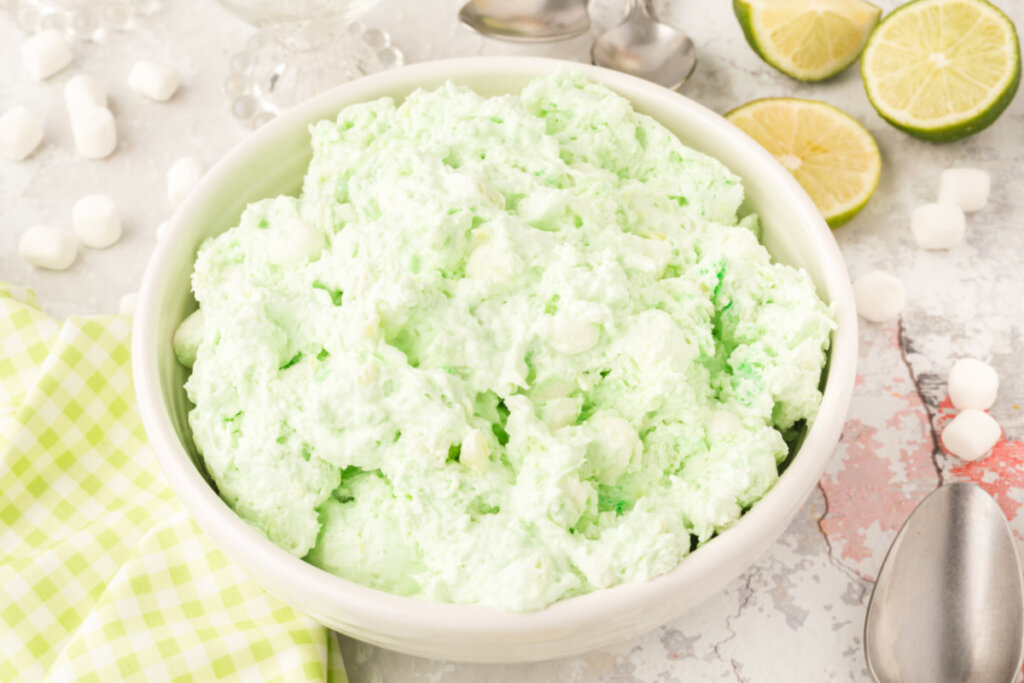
<point>796,615</point>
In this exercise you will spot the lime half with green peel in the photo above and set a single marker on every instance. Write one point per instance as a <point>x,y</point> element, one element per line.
<point>942,69</point>
<point>830,154</point>
<point>809,40</point>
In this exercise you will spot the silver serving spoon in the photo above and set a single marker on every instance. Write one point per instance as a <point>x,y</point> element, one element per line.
<point>643,46</point>
<point>528,21</point>
<point>948,602</point>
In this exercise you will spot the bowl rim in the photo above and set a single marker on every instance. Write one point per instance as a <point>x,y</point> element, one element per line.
<point>332,592</point>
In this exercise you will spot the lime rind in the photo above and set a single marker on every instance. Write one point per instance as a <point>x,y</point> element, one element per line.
<point>983,115</point>
<point>748,22</point>
<point>843,213</point>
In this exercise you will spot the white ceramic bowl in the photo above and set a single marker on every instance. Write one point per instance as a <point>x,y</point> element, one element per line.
<point>272,161</point>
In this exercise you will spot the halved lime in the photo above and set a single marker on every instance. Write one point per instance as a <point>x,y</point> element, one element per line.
<point>830,154</point>
<point>942,69</point>
<point>809,40</point>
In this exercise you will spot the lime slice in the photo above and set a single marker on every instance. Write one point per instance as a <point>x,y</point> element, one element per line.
<point>809,40</point>
<point>942,69</point>
<point>830,154</point>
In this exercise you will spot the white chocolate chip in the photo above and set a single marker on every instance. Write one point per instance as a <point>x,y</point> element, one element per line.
<point>96,221</point>
<point>45,54</point>
<point>968,188</point>
<point>973,384</point>
<point>938,226</point>
<point>84,90</point>
<point>971,434</point>
<point>20,133</point>
<point>879,296</point>
<point>153,80</point>
<point>95,131</point>
<point>182,176</point>
<point>47,247</point>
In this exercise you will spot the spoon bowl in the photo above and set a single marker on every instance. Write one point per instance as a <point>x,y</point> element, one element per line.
<point>948,605</point>
<point>527,21</point>
<point>645,47</point>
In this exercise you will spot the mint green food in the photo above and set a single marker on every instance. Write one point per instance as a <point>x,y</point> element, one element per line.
<point>500,350</point>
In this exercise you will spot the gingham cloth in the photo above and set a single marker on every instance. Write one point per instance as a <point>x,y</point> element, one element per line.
<point>103,575</point>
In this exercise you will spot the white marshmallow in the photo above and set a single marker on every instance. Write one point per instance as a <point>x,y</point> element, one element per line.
<point>84,91</point>
<point>20,133</point>
<point>95,132</point>
<point>182,176</point>
<point>571,336</point>
<point>153,80</point>
<point>614,450</point>
<point>938,226</point>
<point>879,296</point>
<point>45,54</point>
<point>188,337</point>
<point>126,306</point>
<point>298,243</point>
<point>560,412</point>
<point>47,247</point>
<point>966,187</point>
<point>973,384</point>
<point>161,230</point>
<point>971,434</point>
<point>473,453</point>
<point>489,263</point>
<point>96,221</point>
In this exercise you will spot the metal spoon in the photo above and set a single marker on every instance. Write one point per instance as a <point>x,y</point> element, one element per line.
<point>948,603</point>
<point>643,46</point>
<point>527,21</point>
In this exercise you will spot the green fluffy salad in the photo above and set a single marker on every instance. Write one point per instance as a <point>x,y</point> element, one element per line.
<point>499,350</point>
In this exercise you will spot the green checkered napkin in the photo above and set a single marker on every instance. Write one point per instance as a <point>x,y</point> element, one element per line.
<point>103,575</point>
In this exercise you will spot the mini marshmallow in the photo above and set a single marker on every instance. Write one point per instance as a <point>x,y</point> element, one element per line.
<point>47,247</point>
<point>96,221</point>
<point>488,263</point>
<point>570,336</point>
<point>971,434</point>
<point>182,176</point>
<point>298,243</point>
<point>879,296</point>
<point>45,54</point>
<point>84,91</point>
<point>20,133</point>
<point>973,384</point>
<point>966,187</point>
<point>153,80</point>
<point>126,306</point>
<point>95,132</point>
<point>188,337</point>
<point>560,412</point>
<point>473,453</point>
<point>938,226</point>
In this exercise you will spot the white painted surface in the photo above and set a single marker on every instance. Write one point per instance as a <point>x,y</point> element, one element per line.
<point>798,614</point>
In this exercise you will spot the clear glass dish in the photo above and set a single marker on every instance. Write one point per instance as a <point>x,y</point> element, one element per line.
<point>302,48</point>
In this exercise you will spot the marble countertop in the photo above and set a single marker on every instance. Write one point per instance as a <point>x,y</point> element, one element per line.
<point>797,614</point>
